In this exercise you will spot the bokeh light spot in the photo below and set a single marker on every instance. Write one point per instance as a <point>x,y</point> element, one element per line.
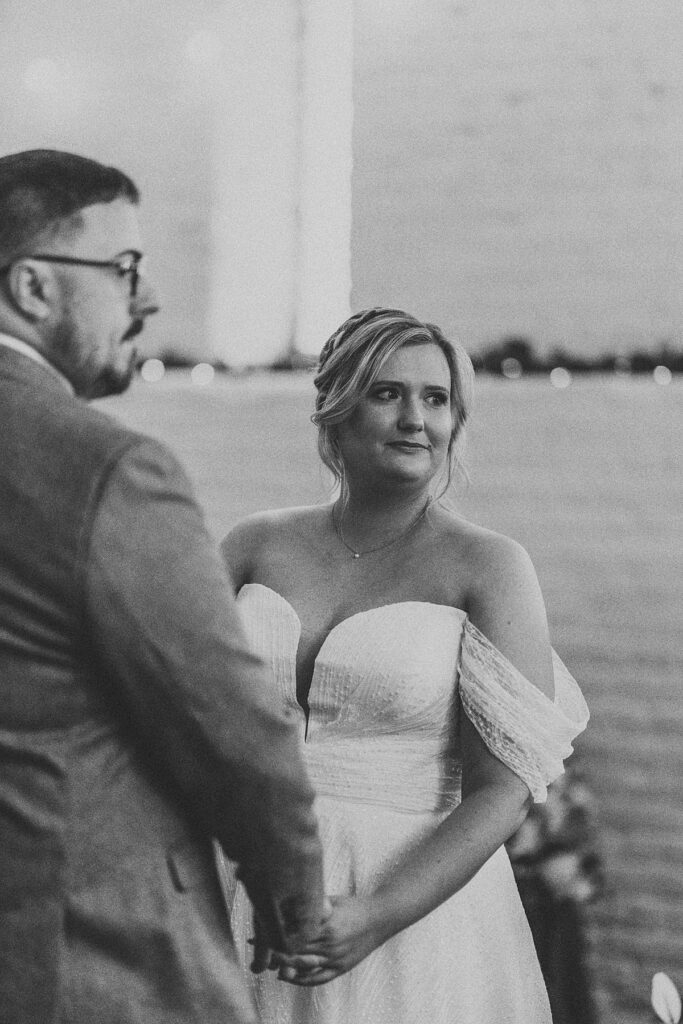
<point>560,377</point>
<point>662,375</point>
<point>152,370</point>
<point>202,373</point>
<point>511,368</point>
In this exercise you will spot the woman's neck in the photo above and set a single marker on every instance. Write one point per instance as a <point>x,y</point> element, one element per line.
<point>371,517</point>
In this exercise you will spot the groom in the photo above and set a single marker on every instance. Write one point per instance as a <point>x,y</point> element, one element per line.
<point>132,722</point>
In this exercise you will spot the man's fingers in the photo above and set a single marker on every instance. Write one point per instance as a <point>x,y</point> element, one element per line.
<point>262,953</point>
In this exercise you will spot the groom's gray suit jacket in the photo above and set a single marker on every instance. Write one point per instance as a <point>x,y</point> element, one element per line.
<point>132,729</point>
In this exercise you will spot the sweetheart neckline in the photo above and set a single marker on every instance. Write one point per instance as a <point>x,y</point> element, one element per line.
<point>354,615</point>
<point>566,687</point>
<point>342,622</point>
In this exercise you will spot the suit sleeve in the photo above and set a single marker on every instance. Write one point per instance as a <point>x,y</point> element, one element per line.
<point>166,630</point>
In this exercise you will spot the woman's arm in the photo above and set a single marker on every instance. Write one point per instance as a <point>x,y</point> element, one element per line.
<point>506,604</point>
<point>494,805</point>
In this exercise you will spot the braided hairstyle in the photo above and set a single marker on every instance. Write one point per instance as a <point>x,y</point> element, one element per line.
<point>350,362</point>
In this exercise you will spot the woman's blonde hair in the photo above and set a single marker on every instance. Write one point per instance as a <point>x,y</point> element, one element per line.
<point>350,363</point>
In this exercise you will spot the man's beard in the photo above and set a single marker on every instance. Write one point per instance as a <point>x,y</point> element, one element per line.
<point>112,382</point>
<point>75,360</point>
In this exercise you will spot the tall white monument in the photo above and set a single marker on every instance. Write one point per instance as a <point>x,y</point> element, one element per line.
<point>281,218</point>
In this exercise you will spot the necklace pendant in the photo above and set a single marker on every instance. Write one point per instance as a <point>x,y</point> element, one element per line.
<point>387,543</point>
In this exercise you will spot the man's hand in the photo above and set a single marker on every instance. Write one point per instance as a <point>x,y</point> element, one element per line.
<point>298,934</point>
<point>262,957</point>
<point>347,937</point>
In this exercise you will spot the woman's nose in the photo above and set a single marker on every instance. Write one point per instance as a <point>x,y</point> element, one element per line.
<point>411,417</point>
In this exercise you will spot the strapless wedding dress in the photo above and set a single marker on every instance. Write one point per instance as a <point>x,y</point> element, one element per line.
<point>382,753</point>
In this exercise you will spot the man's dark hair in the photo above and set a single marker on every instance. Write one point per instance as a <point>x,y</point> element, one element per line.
<point>43,190</point>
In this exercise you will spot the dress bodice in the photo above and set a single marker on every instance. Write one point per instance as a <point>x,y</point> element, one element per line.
<point>382,704</point>
<point>386,691</point>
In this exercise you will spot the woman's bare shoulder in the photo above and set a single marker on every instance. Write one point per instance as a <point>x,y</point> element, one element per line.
<point>491,554</point>
<point>477,550</point>
<point>245,542</point>
<point>502,594</point>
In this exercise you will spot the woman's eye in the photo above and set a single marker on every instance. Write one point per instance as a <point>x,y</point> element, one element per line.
<point>438,399</point>
<point>385,394</point>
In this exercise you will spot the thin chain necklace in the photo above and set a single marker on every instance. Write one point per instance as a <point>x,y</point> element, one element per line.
<point>387,543</point>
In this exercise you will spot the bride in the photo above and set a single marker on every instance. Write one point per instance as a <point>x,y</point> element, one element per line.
<point>413,647</point>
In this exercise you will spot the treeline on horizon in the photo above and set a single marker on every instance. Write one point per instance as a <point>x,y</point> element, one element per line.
<point>516,354</point>
<point>510,357</point>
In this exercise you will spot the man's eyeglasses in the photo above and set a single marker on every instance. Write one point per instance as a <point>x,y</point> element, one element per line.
<point>127,264</point>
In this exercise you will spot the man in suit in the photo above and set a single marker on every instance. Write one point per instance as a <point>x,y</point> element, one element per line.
<point>132,722</point>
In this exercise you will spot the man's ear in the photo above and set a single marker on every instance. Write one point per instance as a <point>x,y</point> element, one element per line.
<point>32,287</point>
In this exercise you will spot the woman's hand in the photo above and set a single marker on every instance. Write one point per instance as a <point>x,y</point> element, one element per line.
<point>265,957</point>
<point>348,936</point>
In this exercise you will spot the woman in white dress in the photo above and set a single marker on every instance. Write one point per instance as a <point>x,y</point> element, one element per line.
<point>413,647</point>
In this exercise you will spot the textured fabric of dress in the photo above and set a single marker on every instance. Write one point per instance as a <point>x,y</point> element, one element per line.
<point>381,746</point>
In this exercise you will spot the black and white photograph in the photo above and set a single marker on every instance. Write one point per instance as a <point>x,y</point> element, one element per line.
<point>341,546</point>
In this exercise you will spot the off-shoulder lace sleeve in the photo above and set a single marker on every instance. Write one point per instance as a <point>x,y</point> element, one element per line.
<point>526,730</point>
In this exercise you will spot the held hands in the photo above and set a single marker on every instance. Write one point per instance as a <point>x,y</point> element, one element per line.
<point>348,935</point>
<point>292,922</point>
<point>346,938</point>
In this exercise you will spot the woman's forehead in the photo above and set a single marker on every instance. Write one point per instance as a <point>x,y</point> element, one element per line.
<point>419,360</point>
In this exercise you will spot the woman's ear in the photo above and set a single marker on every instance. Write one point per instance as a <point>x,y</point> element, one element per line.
<point>32,288</point>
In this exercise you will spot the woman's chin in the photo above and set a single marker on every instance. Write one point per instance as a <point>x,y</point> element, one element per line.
<point>414,476</point>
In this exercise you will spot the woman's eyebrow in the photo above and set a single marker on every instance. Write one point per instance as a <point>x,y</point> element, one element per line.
<point>401,383</point>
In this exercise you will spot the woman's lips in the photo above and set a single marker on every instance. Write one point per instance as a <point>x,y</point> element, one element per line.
<point>408,446</point>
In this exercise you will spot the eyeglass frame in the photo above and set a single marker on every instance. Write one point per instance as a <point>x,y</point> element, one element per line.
<point>134,271</point>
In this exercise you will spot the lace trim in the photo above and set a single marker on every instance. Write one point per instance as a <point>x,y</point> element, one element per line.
<point>526,730</point>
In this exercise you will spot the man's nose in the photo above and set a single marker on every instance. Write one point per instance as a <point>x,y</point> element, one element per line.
<point>145,301</point>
